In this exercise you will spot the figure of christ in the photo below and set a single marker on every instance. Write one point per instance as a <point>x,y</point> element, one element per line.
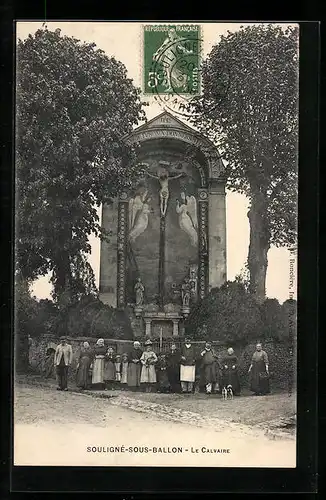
<point>164,178</point>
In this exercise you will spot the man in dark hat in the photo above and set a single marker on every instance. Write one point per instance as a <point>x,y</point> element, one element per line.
<point>187,367</point>
<point>62,361</point>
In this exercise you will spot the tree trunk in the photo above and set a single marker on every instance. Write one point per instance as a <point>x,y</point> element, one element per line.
<point>62,274</point>
<point>258,247</point>
<point>62,269</point>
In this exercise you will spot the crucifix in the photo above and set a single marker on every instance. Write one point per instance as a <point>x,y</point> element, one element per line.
<point>163,177</point>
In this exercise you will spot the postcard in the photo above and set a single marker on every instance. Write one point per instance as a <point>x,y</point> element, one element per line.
<point>156,244</point>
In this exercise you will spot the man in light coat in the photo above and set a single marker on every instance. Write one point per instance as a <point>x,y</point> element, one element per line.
<point>62,361</point>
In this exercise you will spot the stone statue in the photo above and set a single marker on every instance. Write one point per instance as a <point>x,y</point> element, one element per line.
<point>139,292</point>
<point>141,222</point>
<point>187,211</point>
<point>136,205</point>
<point>139,211</point>
<point>185,293</point>
<point>193,282</point>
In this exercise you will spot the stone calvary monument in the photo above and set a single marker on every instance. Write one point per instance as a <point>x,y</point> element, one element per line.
<point>168,243</point>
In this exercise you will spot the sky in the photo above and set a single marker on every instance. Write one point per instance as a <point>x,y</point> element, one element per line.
<point>124,41</point>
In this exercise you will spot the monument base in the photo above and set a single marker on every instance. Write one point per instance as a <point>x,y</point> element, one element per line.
<point>138,311</point>
<point>185,311</point>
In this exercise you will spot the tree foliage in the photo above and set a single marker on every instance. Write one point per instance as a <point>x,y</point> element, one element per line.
<point>25,311</point>
<point>231,314</point>
<point>74,107</point>
<point>89,317</point>
<point>249,107</point>
<point>228,314</point>
<point>86,317</point>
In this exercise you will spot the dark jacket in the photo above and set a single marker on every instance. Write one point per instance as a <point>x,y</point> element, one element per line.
<point>189,354</point>
<point>173,359</point>
<point>134,354</point>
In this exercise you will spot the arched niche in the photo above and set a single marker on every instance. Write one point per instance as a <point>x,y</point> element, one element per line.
<point>166,142</point>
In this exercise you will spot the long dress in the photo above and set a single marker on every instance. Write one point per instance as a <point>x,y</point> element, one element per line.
<point>259,379</point>
<point>98,365</point>
<point>230,375</point>
<point>162,375</point>
<point>148,374</point>
<point>83,378</point>
<point>134,368</point>
<point>109,368</point>
<point>173,370</point>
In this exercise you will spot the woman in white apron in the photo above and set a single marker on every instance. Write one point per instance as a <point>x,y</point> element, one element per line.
<point>187,367</point>
<point>98,364</point>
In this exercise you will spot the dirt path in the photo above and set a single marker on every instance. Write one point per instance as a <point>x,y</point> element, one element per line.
<point>58,428</point>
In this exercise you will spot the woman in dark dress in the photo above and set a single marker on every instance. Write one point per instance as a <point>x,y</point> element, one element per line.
<point>109,374</point>
<point>230,375</point>
<point>83,377</point>
<point>259,373</point>
<point>173,368</point>
<point>163,384</point>
<point>134,367</point>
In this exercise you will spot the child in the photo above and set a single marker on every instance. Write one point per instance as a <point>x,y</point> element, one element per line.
<point>148,360</point>
<point>163,384</point>
<point>118,370</point>
<point>124,371</point>
<point>109,369</point>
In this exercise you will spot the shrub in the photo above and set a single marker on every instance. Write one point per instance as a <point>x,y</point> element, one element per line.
<point>45,318</point>
<point>25,313</point>
<point>231,314</point>
<point>228,314</point>
<point>273,319</point>
<point>89,317</point>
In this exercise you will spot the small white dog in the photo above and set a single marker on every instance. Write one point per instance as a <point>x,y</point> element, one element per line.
<point>227,392</point>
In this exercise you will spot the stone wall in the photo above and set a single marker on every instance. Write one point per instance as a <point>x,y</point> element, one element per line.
<point>279,365</point>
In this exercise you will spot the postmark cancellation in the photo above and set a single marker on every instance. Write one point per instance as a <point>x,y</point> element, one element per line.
<point>171,59</point>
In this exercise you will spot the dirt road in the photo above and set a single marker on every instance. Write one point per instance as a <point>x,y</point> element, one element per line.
<point>61,428</point>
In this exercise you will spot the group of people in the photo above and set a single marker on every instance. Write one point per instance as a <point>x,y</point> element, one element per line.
<point>173,371</point>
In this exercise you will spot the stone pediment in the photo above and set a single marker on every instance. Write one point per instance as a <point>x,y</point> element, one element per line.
<point>164,120</point>
<point>167,126</point>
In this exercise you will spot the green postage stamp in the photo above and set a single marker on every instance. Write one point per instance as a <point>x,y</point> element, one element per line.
<point>172,59</point>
